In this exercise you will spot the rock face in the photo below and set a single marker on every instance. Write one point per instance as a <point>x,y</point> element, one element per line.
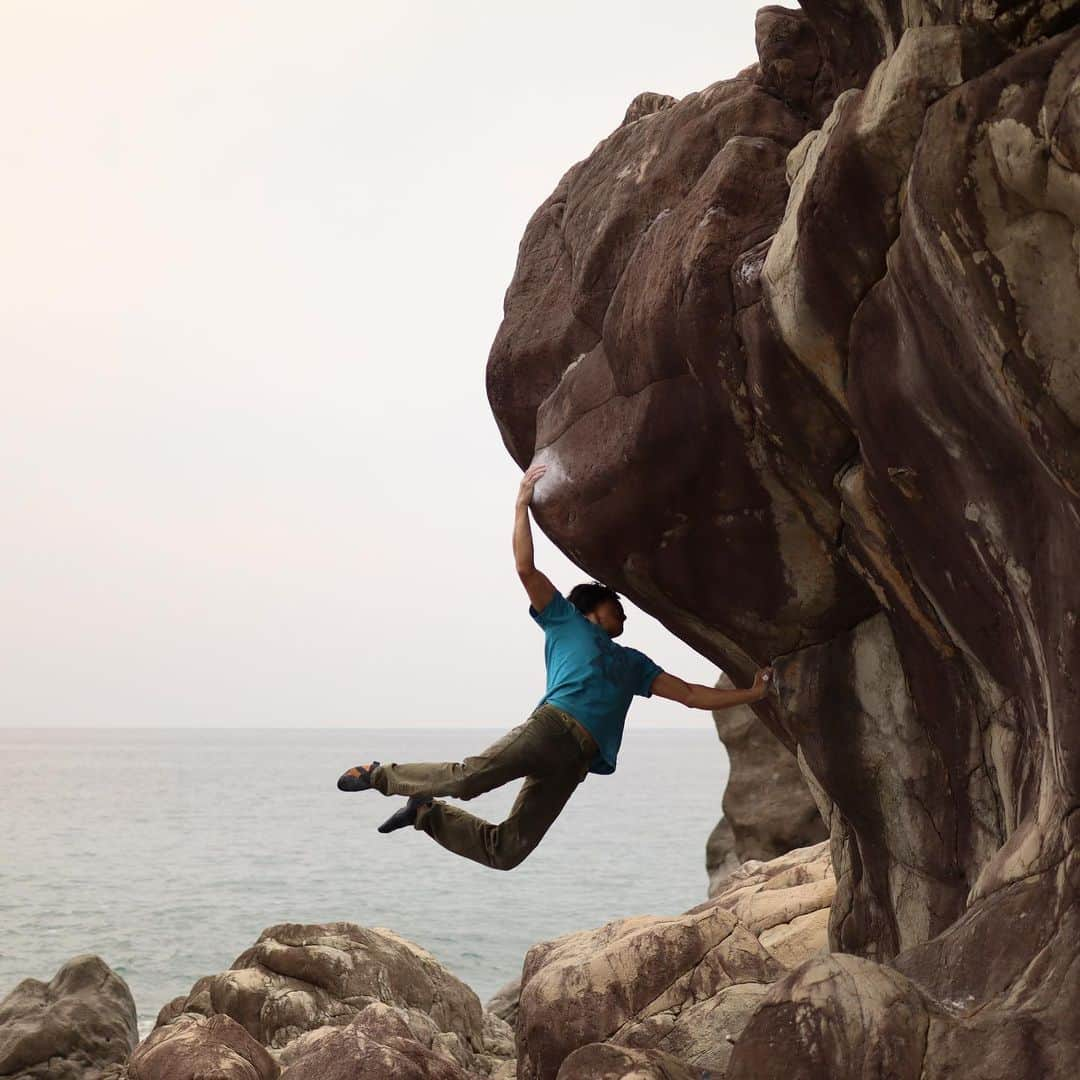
<point>195,1046</point>
<point>74,1027</point>
<point>681,986</point>
<point>337,992</point>
<point>768,808</point>
<point>802,351</point>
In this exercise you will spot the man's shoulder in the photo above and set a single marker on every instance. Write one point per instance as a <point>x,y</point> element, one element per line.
<point>557,610</point>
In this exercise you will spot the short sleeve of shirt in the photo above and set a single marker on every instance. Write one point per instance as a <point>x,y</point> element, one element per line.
<point>647,670</point>
<point>558,610</point>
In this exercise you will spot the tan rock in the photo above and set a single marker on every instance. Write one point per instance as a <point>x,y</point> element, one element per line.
<point>298,977</point>
<point>73,1027</point>
<point>299,983</point>
<point>685,984</point>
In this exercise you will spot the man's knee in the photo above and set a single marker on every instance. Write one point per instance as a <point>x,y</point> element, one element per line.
<point>510,852</point>
<point>508,860</point>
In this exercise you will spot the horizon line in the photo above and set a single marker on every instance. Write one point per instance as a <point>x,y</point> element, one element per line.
<point>283,727</point>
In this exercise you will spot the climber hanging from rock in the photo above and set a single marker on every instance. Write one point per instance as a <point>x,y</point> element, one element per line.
<point>576,729</point>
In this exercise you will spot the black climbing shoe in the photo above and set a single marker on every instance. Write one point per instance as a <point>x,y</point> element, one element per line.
<point>406,815</point>
<point>358,778</point>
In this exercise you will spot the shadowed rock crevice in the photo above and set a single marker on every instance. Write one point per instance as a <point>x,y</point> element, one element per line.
<point>768,809</point>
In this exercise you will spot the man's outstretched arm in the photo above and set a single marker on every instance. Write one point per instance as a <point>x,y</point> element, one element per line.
<point>696,696</point>
<point>536,584</point>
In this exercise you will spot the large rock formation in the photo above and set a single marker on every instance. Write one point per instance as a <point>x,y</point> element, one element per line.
<point>679,986</point>
<point>74,1027</point>
<point>802,350</point>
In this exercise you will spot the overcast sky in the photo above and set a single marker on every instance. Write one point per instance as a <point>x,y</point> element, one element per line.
<point>252,259</point>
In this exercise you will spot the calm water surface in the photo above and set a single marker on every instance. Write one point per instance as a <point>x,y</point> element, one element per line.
<point>167,852</point>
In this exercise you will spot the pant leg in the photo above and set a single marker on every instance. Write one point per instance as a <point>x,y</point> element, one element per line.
<point>534,748</point>
<point>504,846</point>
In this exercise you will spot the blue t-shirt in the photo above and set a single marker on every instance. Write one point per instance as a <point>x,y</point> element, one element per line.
<point>590,676</point>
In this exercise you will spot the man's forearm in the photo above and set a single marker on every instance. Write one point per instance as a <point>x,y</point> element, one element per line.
<point>714,697</point>
<point>523,545</point>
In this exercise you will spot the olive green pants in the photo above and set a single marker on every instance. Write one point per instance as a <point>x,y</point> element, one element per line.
<point>550,749</point>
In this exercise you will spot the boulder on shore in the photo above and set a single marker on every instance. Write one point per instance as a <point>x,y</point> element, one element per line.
<point>376,1045</point>
<point>74,1027</point>
<point>300,985</point>
<point>201,1046</point>
<point>684,985</point>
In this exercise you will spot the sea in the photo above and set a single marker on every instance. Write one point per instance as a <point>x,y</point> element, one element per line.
<point>167,851</point>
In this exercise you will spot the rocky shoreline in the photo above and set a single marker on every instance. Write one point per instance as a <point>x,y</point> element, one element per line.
<point>802,351</point>
<point>652,996</point>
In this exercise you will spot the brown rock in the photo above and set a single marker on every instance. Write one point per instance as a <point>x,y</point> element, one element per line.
<point>602,1061</point>
<point>376,1045</point>
<point>645,105</point>
<point>838,1016</point>
<point>73,1027</point>
<point>200,1046</point>
<point>504,1002</point>
<point>170,1010</point>
<point>790,59</point>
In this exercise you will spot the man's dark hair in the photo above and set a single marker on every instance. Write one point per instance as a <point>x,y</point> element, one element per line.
<point>588,597</point>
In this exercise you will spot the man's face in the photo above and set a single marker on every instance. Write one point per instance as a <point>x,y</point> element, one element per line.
<point>609,616</point>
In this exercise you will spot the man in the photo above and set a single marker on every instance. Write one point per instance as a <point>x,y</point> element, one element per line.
<point>576,729</point>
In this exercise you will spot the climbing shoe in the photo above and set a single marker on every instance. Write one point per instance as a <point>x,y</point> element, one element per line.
<point>406,815</point>
<point>358,778</point>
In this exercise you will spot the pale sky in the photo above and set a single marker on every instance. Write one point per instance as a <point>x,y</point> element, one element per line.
<point>253,258</point>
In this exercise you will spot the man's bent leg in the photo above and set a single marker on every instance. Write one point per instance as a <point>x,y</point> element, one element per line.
<point>503,846</point>
<point>536,746</point>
